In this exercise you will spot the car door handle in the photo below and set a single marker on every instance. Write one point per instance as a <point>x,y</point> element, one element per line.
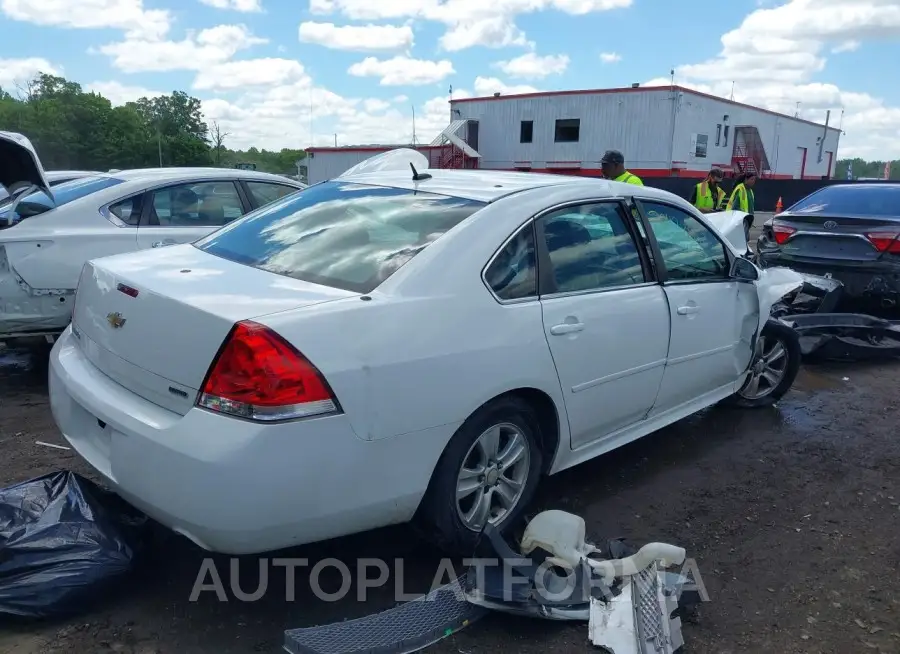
<point>566,328</point>
<point>683,311</point>
<point>164,242</point>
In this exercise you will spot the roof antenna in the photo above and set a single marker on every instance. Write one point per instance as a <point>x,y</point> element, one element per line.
<point>417,176</point>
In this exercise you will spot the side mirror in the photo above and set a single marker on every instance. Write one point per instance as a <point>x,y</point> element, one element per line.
<point>743,270</point>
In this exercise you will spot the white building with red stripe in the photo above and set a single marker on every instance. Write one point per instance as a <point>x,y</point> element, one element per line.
<point>663,131</point>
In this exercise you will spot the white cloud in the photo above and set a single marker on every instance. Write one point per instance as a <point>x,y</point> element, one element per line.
<point>775,54</point>
<point>128,15</point>
<point>846,46</point>
<point>244,6</point>
<point>485,86</point>
<point>400,71</point>
<point>119,94</point>
<point>493,32</point>
<point>209,47</point>
<point>250,72</point>
<point>374,105</point>
<point>610,57</point>
<point>469,22</point>
<point>360,38</point>
<point>534,66</point>
<point>18,72</point>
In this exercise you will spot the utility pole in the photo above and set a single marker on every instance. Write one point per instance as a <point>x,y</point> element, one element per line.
<point>335,140</point>
<point>732,91</point>
<point>414,125</point>
<point>159,145</point>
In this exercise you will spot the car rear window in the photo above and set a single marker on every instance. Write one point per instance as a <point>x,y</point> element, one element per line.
<point>347,236</point>
<point>863,200</point>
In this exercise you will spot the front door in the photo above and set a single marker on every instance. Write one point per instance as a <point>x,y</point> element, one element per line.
<point>183,213</point>
<point>605,319</point>
<point>711,328</point>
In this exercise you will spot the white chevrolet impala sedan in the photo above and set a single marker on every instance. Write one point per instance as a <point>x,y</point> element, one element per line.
<point>398,345</point>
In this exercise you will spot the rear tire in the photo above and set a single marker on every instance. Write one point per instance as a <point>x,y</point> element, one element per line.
<point>775,366</point>
<point>468,487</point>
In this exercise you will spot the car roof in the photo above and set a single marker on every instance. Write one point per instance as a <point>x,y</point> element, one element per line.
<point>865,185</point>
<point>485,185</point>
<point>179,173</point>
<point>73,174</point>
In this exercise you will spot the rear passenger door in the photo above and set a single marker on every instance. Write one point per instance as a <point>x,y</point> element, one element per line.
<point>606,320</point>
<point>183,213</point>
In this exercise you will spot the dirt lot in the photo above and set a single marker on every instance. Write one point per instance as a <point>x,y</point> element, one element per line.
<point>791,513</point>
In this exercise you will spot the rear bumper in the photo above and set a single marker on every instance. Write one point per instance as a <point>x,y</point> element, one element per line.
<point>878,281</point>
<point>231,485</point>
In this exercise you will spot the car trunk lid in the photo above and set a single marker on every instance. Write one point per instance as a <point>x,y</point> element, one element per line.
<point>154,320</point>
<point>833,237</point>
<point>19,163</point>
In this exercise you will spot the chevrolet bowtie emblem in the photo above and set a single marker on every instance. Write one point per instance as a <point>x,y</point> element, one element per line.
<point>115,320</point>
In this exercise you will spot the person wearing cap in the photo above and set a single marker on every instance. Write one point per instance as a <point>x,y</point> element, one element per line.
<point>708,196</point>
<point>613,166</point>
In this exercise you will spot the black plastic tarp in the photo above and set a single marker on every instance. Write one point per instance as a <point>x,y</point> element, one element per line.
<point>63,540</point>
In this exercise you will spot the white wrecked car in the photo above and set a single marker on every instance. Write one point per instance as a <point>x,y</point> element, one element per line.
<point>48,232</point>
<point>402,342</point>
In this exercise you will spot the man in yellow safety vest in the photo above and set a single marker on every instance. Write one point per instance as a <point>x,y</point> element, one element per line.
<point>613,166</point>
<point>708,196</point>
<point>742,198</point>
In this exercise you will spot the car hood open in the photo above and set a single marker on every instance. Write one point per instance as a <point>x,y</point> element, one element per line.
<point>19,163</point>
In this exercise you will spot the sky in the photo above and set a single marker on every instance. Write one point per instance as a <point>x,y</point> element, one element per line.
<point>282,73</point>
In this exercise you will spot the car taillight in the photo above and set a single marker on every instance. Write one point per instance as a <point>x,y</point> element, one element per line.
<point>260,376</point>
<point>885,241</point>
<point>782,232</point>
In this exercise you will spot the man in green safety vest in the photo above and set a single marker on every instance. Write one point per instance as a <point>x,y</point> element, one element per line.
<point>613,166</point>
<point>708,196</point>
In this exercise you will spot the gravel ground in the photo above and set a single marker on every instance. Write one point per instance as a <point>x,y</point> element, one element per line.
<point>791,514</point>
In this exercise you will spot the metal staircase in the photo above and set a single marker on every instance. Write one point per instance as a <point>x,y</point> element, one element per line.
<point>749,152</point>
<point>455,151</point>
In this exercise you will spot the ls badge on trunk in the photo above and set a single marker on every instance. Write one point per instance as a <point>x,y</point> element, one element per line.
<point>115,320</point>
<point>829,224</point>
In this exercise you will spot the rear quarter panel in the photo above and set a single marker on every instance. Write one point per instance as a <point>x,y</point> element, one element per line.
<point>432,345</point>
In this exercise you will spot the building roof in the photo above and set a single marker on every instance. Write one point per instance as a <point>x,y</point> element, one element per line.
<point>635,89</point>
<point>368,148</point>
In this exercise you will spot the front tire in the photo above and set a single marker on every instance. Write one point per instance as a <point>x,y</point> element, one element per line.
<point>775,365</point>
<point>488,473</point>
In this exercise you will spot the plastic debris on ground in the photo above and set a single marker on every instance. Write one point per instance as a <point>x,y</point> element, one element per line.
<point>846,336</point>
<point>407,628</point>
<point>624,596</point>
<point>629,602</point>
<point>63,540</point>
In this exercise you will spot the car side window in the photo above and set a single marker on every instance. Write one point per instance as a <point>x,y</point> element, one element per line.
<point>689,248</point>
<point>203,204</point>
<point>591,248</point>
<point>128,210</point>
<point>265,193</point>
<point>512,274</point>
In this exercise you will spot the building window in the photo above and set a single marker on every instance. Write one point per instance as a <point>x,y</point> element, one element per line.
<point>725,137</point>
<point>718,135</point>
<point>526,131</point>
<point>567,130</point>
<point>701,146</point>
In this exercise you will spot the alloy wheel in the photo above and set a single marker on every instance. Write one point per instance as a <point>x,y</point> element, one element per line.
<point>768,369</point>
<point>493,476</point>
